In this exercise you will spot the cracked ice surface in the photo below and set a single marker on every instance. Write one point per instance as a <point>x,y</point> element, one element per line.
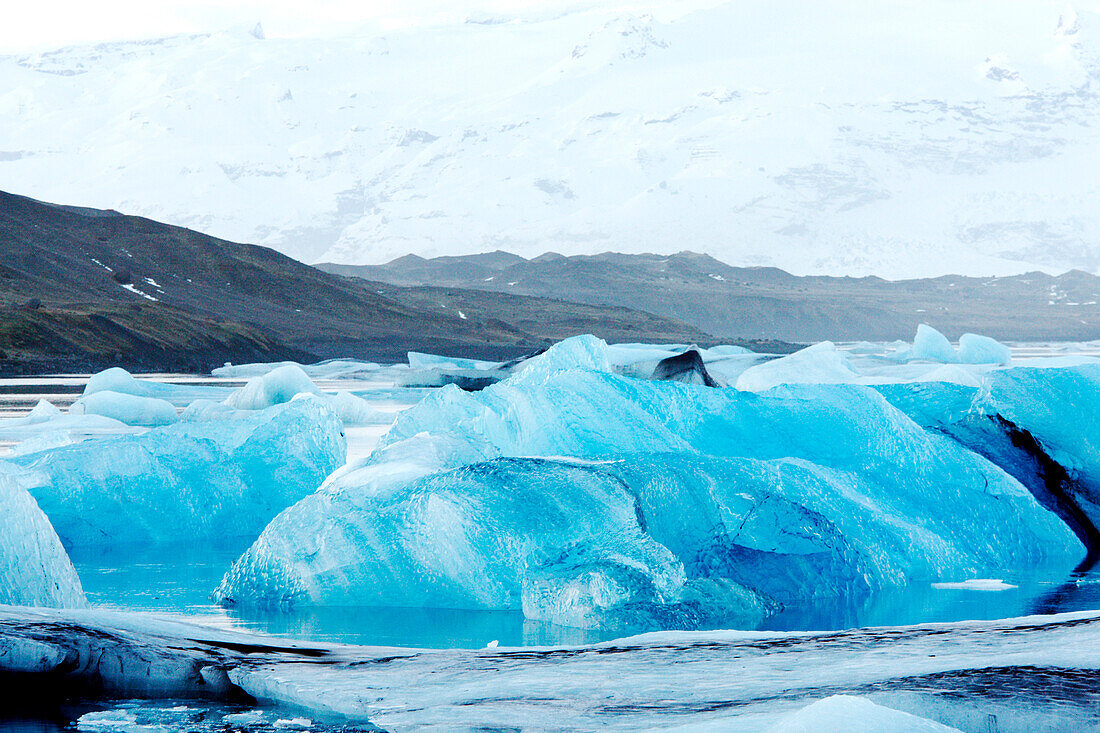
<point>34,568</point>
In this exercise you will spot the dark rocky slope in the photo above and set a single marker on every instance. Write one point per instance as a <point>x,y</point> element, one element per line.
<point>83,288</point>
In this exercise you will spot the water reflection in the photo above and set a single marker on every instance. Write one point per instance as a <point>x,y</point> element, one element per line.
<point>179,579</point>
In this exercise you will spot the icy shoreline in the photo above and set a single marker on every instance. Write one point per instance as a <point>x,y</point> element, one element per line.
<point>740,680</point>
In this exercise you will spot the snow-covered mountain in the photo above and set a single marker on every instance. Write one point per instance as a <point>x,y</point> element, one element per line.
<point>900,139</point>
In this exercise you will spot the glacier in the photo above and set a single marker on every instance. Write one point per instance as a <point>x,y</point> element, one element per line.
<point>660,504</point>
<point>190,481</point>
<point>759,144</point>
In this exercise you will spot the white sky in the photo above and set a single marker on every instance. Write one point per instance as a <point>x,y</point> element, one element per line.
<point>47,24</point>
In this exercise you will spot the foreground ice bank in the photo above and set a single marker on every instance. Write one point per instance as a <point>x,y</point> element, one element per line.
<point>190,481</point>
<point>1012,676</point>
<point>588,498</point>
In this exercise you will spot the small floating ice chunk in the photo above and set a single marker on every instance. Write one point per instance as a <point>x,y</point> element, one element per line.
<point>328,369</point>
<point>928,345</point>
<point>104,720</point>
<point>817,364</point>
<point>42,412</point>
<point>45,424</point>
<point>117,379</point>
<point>251,717</point>
<point>126,408</point>
<point>418,360</point>
<point>293,723</point>
<point>980,584</point>
<point>975,349</point>
<point>274,388</point>
<point>723,351</point>
<point>209,411</point>
<point>354,410</point>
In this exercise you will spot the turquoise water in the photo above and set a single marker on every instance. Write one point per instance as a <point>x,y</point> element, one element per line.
<point>179,580</point>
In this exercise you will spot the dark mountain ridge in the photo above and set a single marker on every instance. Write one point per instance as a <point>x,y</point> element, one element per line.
<point>766,302</point>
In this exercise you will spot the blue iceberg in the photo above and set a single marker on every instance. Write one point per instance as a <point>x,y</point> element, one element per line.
<point>191,481</point>
<point>588,498</point>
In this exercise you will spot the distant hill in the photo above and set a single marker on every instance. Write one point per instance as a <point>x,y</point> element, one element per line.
<point>81,288</point>
<point>760,302</point>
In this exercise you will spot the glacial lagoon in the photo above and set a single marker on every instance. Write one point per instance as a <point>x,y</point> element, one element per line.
<point>191,581</point>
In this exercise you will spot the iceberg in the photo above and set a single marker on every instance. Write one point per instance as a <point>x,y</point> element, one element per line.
<point>353,410</point>
<point>328,369</point>
<point>663,503</point>
<point>273,388</point>
<point>126,408</point>
<point>46,424</point>
<point>191,481</point>
<point>34,567</point>
<point>686,368</point>
<point>121,381</point>
<point>931,345</point>
<point>468,379</point>
<point>975,349</point>
<point>287,383</point>
<point>493,535</point>
<point>211,411</point>
<point>821,363</point>
<point>724,351</point>
<point>418,360</point>
<point>928,345</point>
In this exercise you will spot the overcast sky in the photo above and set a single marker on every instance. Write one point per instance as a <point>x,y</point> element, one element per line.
<point>47,24</point>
